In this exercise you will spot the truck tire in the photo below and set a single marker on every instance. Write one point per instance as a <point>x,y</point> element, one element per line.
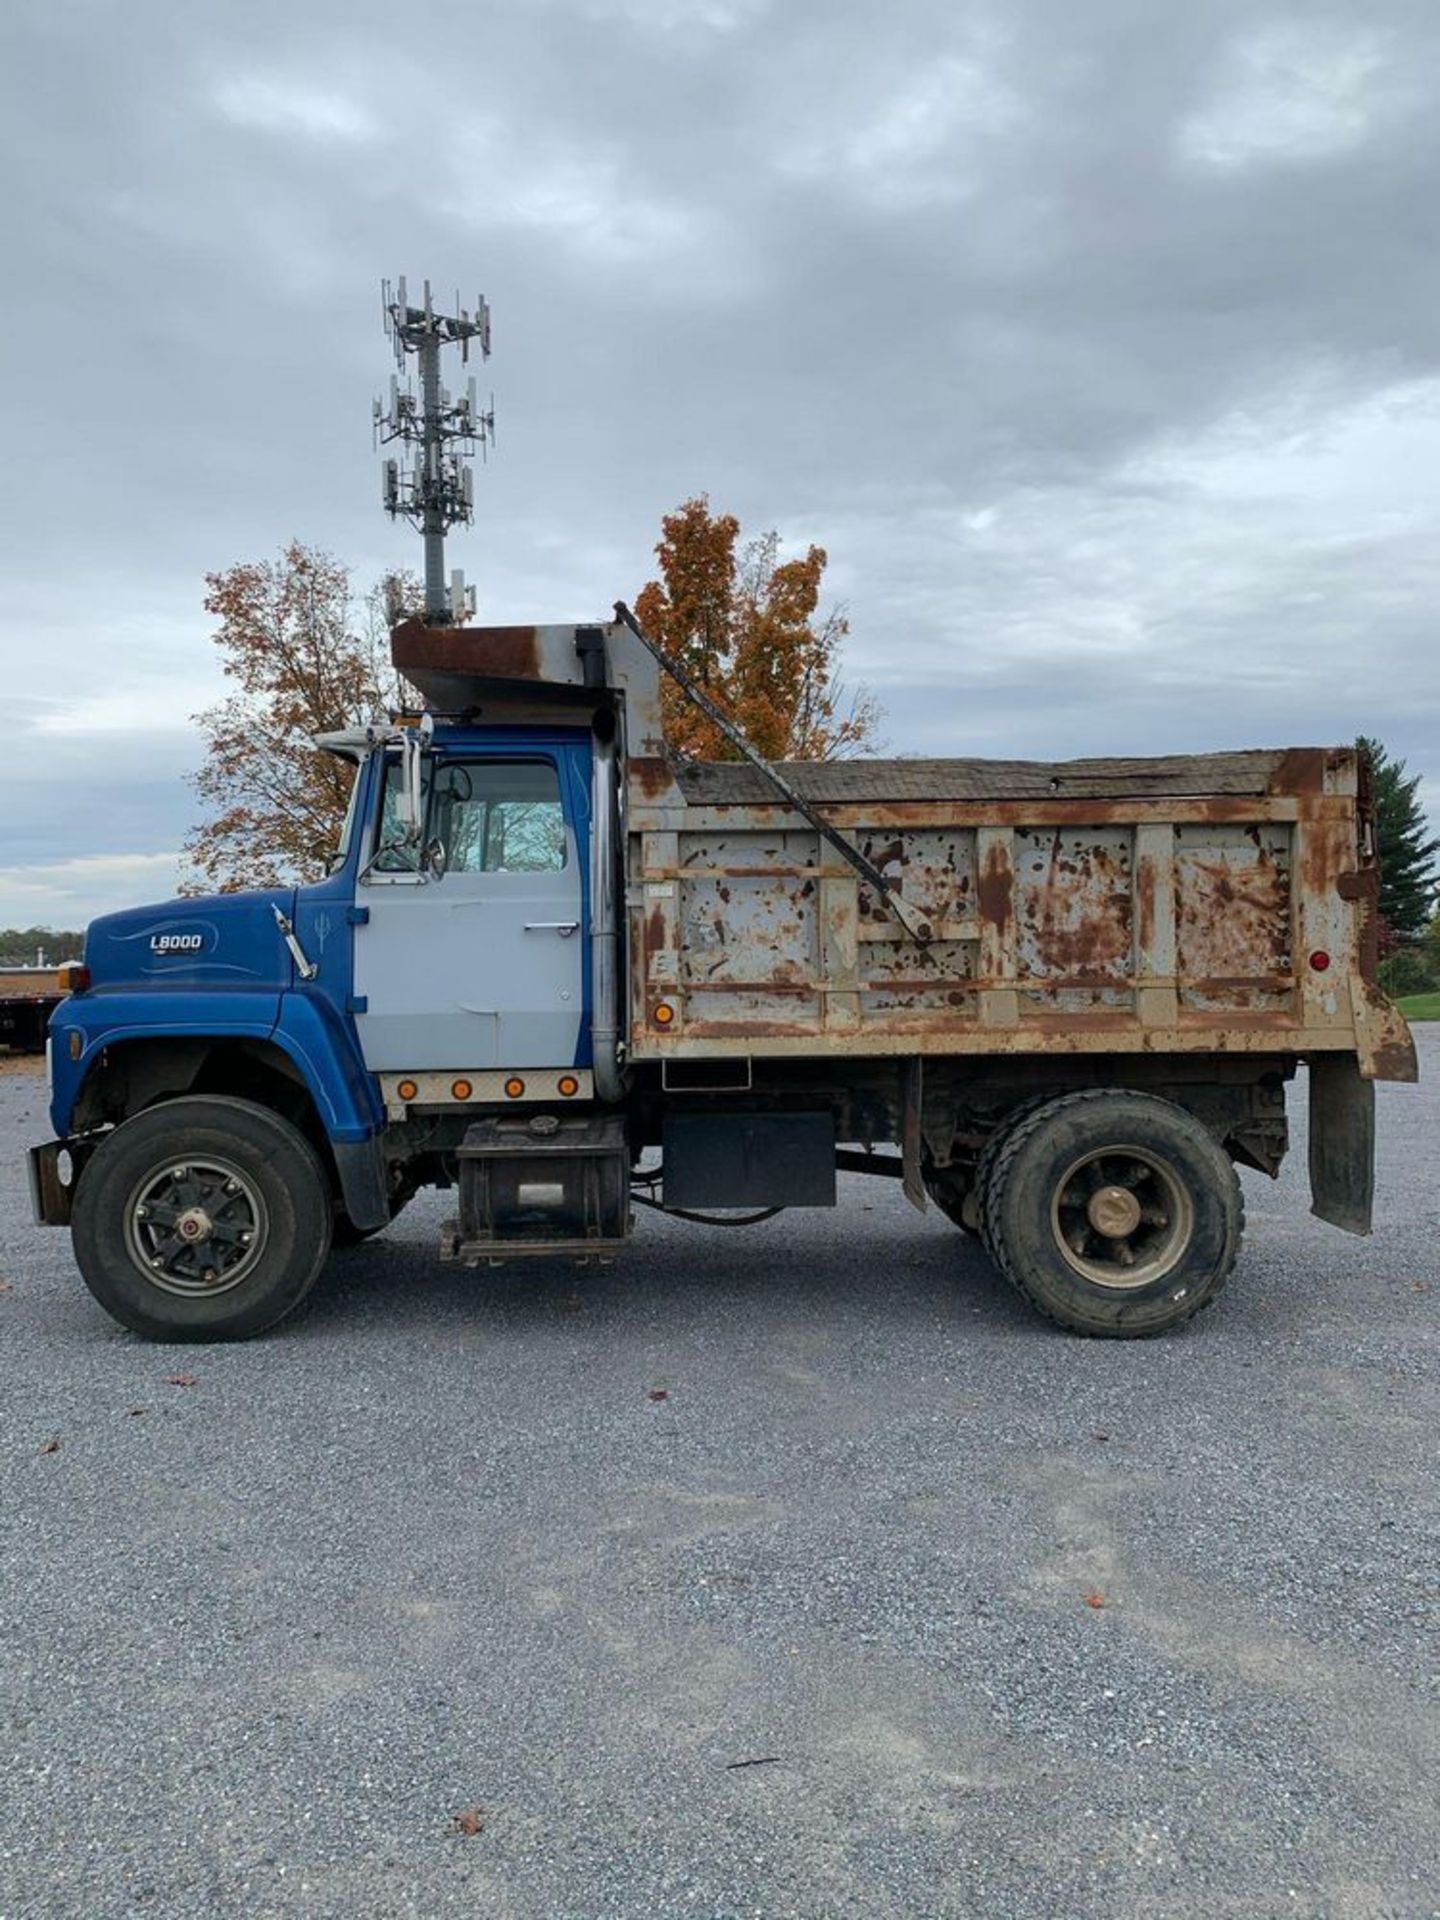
<point>1114,1213</point>
<point>202,1219</point>
<point>990,1154</point>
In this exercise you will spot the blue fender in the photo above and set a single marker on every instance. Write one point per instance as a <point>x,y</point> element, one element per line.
<point>308,1029</point>
<point>109,1019</point>
<point>322,1044</point>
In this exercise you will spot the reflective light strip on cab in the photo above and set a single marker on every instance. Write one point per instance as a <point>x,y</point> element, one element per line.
<point>402,1091</point>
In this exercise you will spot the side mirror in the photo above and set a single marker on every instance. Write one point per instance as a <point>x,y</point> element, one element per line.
<point>411,800</point>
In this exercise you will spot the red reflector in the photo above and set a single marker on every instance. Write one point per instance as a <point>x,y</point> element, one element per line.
<point>1319,960</point>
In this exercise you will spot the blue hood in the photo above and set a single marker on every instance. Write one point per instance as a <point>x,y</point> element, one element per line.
<point>222,940</point>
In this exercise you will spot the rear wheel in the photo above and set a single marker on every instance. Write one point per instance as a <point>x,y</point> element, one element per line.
<point>202,1219</point>
<point>1114,1213</point>
<point>990,1154</point>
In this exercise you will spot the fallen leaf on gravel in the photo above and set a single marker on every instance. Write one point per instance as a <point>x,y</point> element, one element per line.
<point>51,1446</point>
<point>659,1393</point>
<point>135,1412</point>
<point>471,1822</point>
<point>1094,1598</point>
<point>180,1379</point>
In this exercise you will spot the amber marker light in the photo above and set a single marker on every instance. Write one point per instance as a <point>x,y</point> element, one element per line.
<point>407,1090</point>
<point>664,1014</point>
<point>461,1089</point>
<point>569,1086</point>
<point>73,977</point>
<point>514,1087</point>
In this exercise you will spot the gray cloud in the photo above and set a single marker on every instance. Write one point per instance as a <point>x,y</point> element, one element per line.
<point>1100,346</point>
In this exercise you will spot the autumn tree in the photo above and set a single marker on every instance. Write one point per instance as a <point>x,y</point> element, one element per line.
<point>306,655</point>
<point>747,626</point>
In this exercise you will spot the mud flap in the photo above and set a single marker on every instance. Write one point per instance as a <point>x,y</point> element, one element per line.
<point>912,1098</point>
<point>1342,1142</point>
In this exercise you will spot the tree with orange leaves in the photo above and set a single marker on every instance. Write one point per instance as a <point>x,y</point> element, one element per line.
<point>747,627</point>
<point>306,656</point>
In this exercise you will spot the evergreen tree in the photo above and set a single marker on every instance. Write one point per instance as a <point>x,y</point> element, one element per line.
<point>1409,874</point>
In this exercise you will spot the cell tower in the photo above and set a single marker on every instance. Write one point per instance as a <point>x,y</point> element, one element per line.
<point>434,488</point>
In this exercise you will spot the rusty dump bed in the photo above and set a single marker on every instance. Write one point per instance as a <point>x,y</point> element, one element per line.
<point>1215,903</point>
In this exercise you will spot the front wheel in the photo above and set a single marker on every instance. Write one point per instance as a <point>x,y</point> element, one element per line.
<point>202,1219</point>
<point>1113,1212</point>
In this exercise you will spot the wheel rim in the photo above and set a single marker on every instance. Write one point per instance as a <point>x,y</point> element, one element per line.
<point>1122,1217</point>
<point>195,1227</point>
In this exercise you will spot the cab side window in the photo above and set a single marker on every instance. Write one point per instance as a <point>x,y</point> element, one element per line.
<point>499,816</point>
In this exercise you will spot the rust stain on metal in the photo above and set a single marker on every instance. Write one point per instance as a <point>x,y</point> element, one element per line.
<point>750,1029</point>
<point>649,775</point>
<point>993,892</point>
<point>1300,770</point>
<point>501,653</point>
<point>969,814</point>
<point>1232,901</point>
<point>1074,901</point>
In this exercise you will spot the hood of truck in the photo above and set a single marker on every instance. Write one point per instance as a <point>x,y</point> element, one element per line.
<point>220,940</point>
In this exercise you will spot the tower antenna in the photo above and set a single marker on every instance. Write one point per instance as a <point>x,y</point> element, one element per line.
<point>432,487</point>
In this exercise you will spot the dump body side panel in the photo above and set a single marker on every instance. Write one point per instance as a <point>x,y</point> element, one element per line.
<point>1210,905</point>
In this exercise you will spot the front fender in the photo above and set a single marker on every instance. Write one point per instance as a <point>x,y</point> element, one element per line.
<point>103,1020</point>
<point>322,1045</point>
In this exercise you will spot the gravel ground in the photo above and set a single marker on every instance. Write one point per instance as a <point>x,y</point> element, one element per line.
<point>799,1573</point>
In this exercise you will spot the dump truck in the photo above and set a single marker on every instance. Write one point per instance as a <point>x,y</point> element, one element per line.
<point>558,972</point>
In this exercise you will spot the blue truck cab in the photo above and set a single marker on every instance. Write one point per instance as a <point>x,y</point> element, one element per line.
<point>343,1034</point>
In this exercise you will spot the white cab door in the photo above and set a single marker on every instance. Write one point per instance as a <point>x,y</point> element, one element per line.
<point>482,966</point>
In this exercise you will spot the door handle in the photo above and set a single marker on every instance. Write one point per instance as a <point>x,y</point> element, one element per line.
<point>563,927</point>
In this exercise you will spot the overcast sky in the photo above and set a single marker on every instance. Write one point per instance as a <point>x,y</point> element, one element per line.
<point>1097,340</point>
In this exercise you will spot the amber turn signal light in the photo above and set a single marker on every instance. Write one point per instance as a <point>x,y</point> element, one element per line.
<point>514,1087</point>
<point>407,1090</point>
<point>664,1014</point>
<point>73,977</point>
<point>461,1089</point>
<point>568,1085</point>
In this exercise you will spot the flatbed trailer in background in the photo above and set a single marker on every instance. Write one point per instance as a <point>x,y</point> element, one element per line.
<point>28,997</point>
